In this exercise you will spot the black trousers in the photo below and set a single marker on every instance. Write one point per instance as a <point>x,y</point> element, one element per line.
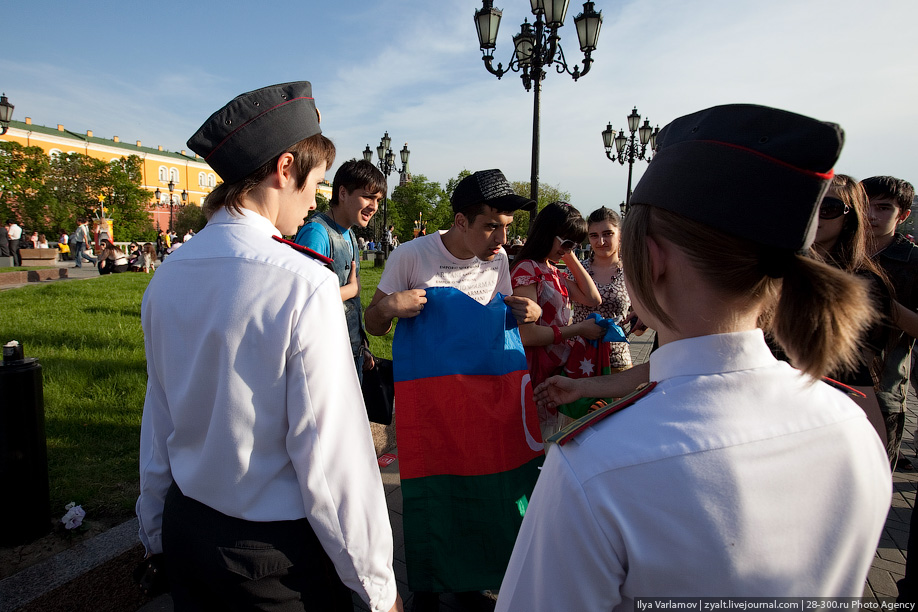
<point>217,562</point>
<point>14,251</point>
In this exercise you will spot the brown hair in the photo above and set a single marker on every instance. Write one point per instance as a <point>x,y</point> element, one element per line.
<point>817,313</point>
<point>850,250</point>
<point>308,153</point>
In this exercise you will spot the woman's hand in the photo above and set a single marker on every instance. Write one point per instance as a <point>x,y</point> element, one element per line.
<point>557,390</point>
<point>589,329</point>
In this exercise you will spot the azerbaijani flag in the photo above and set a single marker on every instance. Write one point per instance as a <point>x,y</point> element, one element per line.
<point>587,358</point>
<point>468,440</point>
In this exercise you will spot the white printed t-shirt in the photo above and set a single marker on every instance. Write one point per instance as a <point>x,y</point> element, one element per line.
<point>425,262</point>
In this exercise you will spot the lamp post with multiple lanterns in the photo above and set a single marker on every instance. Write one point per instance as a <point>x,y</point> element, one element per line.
<point>386,164</point>
<point>627,150</point>
<point>158,195</point>
<point>535,50</point>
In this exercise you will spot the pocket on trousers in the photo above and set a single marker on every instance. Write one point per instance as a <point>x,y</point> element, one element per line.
<point>253,562</point>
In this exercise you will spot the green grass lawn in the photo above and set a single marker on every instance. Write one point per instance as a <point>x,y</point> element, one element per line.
<point>87,337</point>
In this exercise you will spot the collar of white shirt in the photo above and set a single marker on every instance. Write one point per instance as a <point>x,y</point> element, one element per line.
<point>245,217</point>
<point>714,354</point>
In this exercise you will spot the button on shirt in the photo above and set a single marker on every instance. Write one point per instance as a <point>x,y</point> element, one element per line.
<point>253,404</point>
<point>736,476</point>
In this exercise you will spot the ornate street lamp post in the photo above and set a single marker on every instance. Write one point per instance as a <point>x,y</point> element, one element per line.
<point>171,204</point>
<point>386,164</point>
<point>535,49</point>
<point>627,150</point>
<point>6,114</point>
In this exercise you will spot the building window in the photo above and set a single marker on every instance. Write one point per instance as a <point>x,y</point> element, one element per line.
<point>55,153</point>
<point>211,180</point>
<point>163,173</point>
<point>202,179</point>
<point>174,175</point>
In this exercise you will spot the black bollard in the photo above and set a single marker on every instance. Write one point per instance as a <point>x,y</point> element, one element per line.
<point>26,509</point>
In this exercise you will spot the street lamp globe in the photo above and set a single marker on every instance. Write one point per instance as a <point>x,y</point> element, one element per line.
<point>6,114</point>
<point>554,10</point>
<point>608,136</point>
<point>645,132</point>
<point>588,24</point>
<point>634,120</point>
<point>523,44</point>
<point>487,22</point>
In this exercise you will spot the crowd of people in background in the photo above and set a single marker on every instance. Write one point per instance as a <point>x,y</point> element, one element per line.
<point>784,322</point>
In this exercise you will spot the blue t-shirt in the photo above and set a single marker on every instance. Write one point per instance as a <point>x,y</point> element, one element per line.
<point>314,236</point>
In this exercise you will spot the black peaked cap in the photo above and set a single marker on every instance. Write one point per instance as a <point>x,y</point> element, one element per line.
<point>255,127</point>
<point>750,171</point>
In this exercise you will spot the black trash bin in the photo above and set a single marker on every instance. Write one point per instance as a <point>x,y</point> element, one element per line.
<point>26,510</point>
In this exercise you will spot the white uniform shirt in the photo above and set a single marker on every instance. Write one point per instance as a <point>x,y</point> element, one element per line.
<point>425,262</point>
<point>735,476</point>
<point>15,232</point>
<point>253,404</point>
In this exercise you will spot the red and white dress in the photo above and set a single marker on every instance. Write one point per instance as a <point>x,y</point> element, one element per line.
<point>552,298</point>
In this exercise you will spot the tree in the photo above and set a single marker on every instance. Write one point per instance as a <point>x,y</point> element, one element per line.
<point>321,203</point>
<point>189,217</point>
<point>22,192</point>
<point>420,201</point>
<point>547,195</point>
<point>128,200</point>
<point>77,181</point>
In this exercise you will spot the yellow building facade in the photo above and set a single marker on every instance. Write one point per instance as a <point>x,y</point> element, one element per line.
<point>191,178</point>
<point>189,174</point>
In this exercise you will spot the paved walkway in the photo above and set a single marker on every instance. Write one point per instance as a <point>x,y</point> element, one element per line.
<point>87,271</point>
<point>888,565</point>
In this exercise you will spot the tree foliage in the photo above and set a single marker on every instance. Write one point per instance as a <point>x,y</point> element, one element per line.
<point>47,195</point>
<point>547,195</point>
<point>321,203</point>
<point>22,172</point>
<point>189,217</point>
<point>420,202</point>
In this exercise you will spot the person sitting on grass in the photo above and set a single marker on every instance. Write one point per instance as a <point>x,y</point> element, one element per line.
<point>148,257</point>
<point>112,260</point>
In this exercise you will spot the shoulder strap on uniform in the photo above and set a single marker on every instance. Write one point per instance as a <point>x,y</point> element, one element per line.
<point>305,250</point>
<point>567,433</point>
<point>843,387</point>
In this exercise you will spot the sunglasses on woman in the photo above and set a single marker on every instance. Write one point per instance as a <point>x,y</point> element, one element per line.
<point>832,208</point>
<point>567,245</point>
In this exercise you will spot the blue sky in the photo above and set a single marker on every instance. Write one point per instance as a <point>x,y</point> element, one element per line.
<point>154,71</point>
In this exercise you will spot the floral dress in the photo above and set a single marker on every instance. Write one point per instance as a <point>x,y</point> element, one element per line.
<point>615,305</point>
<point>551,291</point>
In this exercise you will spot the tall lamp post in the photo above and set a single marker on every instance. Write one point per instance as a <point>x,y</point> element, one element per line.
<point>171,204</point>
<point>6,114</point>
<point>535,49</point>
<point>627,150</point>
<point>386,164</point>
